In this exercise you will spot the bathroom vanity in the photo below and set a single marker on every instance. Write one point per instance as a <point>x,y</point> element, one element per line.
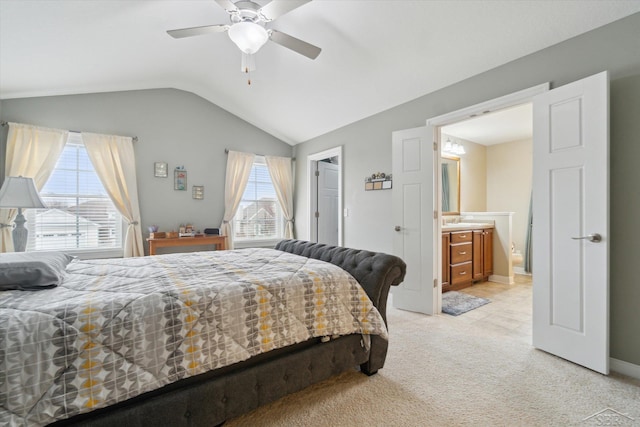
<point>467,254</point>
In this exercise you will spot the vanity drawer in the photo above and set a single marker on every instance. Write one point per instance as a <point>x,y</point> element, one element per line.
<point>461,236</point>
<point>461,273</point>
<point>462,252</point>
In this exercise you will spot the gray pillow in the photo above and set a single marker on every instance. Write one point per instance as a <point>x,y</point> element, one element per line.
<point>32,270</point>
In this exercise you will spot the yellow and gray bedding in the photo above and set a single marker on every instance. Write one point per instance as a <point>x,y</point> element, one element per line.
<point>116,328</point>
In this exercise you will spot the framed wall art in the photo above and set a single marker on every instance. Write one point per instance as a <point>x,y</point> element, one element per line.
<point>160,170</point>
<point>378,181</point>
<point>198,192</point>
<point>180,179</point>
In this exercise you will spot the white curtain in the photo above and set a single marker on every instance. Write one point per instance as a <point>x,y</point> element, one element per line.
<point>31,152</point>
<point>282,178</point>
<point>114,161</point>
<point>238,170</point>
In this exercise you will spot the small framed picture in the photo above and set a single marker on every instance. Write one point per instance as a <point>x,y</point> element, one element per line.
<point>198,192</point>
<point>180,180</point>
<point>160,170</point>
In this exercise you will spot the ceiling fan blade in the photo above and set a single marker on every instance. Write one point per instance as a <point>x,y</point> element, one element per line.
<point>197,31</point>
<point>278,8</point>
<point>296,45</point>
<point>227,5</point>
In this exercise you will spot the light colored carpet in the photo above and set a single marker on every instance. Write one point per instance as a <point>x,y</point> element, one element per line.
<point>441,371</point>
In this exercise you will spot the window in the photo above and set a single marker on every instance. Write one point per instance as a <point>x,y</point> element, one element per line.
<point>259,216</point>
<point>80,215</point>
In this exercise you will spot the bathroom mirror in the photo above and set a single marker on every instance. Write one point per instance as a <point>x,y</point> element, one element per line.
<point>450,185</point>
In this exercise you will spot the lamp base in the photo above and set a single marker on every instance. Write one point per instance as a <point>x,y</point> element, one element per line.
<point>20,233</point>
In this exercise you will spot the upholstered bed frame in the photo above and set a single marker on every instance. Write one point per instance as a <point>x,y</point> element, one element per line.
<point>211,398</point>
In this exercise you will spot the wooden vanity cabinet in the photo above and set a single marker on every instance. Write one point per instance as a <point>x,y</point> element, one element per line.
<point>467,256</point>
<point>461,257</point>
<point>482,254</point>
<point>478,258</point>
<point>487,252</point>
<point>445,261</point>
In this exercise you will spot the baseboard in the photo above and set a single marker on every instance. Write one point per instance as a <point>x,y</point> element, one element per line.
<point>505,280</point>
<point>624,368</point>
<point>520,270</point>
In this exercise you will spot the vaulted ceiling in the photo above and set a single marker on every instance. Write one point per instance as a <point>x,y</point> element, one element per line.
<point>375,54</point>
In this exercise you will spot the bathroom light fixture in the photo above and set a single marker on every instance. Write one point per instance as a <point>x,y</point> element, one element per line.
<point>448,146</point>
<point>453,148</point>
<point>458,148</point>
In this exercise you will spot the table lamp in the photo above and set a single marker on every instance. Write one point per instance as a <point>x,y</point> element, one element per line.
<point>19,192</point>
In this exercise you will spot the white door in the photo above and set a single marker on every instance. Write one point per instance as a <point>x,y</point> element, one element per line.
<point>571,203</point>
<point>413,207</point>
<point>327,218</point>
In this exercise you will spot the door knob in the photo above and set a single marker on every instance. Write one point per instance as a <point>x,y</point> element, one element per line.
<point>397,228</point>
<point>595,238</point>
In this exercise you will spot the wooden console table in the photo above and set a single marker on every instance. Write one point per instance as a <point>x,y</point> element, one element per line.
<point>220,242</point>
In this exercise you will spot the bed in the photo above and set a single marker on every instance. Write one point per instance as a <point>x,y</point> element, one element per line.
<point>190,339</point>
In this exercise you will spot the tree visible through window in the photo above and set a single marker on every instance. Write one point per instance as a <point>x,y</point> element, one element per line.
<point>259,215</point>
<point>79,214</point>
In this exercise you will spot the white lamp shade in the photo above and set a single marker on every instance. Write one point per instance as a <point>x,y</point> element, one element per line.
<point>249,37</point>
<point>20,192</point>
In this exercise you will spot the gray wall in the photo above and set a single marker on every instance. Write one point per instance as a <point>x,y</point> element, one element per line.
<point>367,148</point>
<point>172,126</point>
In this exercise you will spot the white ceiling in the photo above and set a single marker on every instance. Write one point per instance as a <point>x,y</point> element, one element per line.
<point>376,54</point>
<point>498,127</point>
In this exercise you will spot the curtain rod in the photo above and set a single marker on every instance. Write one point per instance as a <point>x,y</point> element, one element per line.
<point>226,151</point>
<point>133,138</point>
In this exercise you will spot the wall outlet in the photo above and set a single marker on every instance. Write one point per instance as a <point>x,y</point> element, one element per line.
<point>346,212</point>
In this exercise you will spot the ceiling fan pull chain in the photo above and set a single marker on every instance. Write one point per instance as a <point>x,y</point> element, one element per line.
<point>248,65</point>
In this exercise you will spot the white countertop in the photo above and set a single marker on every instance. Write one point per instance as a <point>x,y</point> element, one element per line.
<point>467,226</point>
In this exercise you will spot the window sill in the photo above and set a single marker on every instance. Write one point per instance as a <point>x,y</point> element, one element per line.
<point>270,243</point>
<point>93,254</point>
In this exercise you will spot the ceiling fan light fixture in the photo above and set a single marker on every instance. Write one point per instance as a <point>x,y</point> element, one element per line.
<point>248,36</point>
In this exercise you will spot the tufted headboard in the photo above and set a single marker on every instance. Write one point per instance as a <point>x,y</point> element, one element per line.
<point>375,271</point>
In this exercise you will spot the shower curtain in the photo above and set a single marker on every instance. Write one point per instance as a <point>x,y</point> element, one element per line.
<point>445,188</point>
<point>527,248</point>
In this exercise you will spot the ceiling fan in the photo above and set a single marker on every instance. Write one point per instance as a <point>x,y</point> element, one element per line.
<point>248,28</point>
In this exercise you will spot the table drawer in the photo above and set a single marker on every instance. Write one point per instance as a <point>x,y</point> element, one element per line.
<point>461,273</point>
<point>461,236</point>
<point>461,253</point>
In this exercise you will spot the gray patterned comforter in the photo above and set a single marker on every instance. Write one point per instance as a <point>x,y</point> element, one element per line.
<point>116,328</point>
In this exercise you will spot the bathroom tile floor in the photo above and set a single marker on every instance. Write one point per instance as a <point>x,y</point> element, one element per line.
<point>508,313</point>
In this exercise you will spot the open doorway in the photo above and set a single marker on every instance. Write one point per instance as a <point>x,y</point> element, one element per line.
<point>494,162</point>
<point>570,182</point>
<point>325,196</point>
<point>489,198</point>
<point>433,127</point>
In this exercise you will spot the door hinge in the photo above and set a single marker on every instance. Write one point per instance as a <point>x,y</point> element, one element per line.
<point>317,173</point>
<point>435,283</point>
<point>435,146</point>
<point>435,214</point>
<point>317,214</point>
